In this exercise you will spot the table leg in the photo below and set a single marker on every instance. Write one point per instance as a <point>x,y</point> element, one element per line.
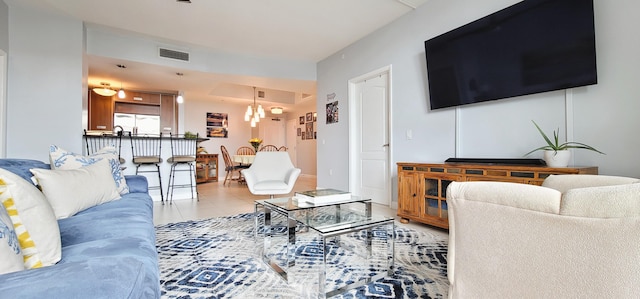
<point>291,246</point>
<point>266,244</point>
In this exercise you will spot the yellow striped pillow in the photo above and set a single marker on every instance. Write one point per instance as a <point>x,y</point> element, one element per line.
<point>29,250</point>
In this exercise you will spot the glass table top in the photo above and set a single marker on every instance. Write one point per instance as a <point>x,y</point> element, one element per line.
<point>326,217</point>
<point>291,204</point>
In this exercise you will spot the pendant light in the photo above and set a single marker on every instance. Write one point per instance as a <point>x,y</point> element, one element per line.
<point>121,93</point>
<point>254,114</point>
<point>180,98</point>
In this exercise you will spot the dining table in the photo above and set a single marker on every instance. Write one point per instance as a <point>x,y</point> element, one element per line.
<point>243,159</point>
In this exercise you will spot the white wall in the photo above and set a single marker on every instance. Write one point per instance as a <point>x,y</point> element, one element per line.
<point>45,83</point>
<point>4,26</point>
<point>604,115</point>
<point>4,48</point>
<point>195,121</point>
<point>306,150</point>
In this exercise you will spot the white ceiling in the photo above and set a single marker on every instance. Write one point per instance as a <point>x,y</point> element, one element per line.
<point>303,30</point>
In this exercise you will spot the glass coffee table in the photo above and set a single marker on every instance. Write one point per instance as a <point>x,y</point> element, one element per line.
<point>336,246</point>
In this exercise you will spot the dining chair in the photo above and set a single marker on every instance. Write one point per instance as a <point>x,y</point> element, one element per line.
<point>230,167</point>
<point>97,141</point>
<point>146,151</point>
<point>282,149</point>
<point>245,150</point>
<point>268,148</point>
<point>183,152</point>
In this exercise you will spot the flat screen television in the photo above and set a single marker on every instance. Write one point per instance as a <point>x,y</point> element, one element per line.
<point>530,47</point>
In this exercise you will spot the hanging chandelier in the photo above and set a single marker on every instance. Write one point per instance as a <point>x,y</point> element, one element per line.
<point>254,114</point>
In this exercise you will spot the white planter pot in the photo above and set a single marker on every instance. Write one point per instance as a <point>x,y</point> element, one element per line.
<point>557,159</point>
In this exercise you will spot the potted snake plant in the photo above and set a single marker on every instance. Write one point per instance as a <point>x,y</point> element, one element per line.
<point>557,154</point>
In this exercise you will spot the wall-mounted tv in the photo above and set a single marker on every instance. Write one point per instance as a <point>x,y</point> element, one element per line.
<point>530,47</point>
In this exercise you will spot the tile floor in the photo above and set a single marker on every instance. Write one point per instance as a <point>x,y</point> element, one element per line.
<point>217,200</point>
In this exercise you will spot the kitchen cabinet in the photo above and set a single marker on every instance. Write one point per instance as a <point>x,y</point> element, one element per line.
<point>100,112</point>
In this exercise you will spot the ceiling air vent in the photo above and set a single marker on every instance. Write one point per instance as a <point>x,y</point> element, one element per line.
<point>166,53</point>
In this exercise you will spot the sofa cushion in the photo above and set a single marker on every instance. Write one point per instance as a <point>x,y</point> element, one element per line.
<point>96,278</point>
<point>71,191</point>
<point>63,159</point>
<point>523,196</point>
<point>566,182</point>
<point>602,202</point>
<point>10,252</point>
<point>21,167</point>
<point>33,211</point>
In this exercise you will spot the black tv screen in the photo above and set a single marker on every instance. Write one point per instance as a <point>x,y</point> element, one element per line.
<point>533,46</point>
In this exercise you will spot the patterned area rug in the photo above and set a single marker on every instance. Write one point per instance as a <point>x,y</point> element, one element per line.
<point>219,258</point>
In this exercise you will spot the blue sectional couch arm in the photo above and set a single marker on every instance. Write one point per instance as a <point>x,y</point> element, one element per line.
<point>108,251</point>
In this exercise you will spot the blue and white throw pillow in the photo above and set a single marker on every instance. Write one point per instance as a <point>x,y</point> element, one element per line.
<point>10,253</point>
<point>63,159</point>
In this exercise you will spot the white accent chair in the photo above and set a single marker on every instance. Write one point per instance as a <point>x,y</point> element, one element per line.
<point>271,173</point>
<point>576,236</point>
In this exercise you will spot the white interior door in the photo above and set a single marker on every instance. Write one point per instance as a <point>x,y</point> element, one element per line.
<point>272,132</point>
<point>371,173</point>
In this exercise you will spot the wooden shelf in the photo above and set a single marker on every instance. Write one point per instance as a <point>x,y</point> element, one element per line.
<point>206,168</point>
<point>422,187</point>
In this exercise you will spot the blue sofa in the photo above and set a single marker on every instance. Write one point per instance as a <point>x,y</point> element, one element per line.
<point>108,251</point>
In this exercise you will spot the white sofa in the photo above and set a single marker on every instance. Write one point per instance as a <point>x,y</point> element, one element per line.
<point>577,236</point>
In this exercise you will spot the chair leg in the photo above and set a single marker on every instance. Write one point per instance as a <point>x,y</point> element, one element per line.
<point>228,177</point>
<point>169,189</point>
<point>160,182</point>
<point>192,172</point>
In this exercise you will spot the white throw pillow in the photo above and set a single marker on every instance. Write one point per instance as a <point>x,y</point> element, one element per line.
<point>74,190</point>
<point>10,252</point>
<point>63,159</point>
<point>28,206</point>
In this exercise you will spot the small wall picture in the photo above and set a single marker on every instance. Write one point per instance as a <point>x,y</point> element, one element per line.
<point>299,131</point>
<point>217,125</point>
<point>315,116</point>
<point>217,132</point>
<point>309,130</point>
<point>315,135</point>
<point>303,137</point>
<point>332,112</point>
<point>302,120</point>
<point>309,116</point>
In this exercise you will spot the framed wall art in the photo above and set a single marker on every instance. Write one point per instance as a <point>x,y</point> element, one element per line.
<point>309,130</point>
<point>217,125</point>
<point>332,112</point>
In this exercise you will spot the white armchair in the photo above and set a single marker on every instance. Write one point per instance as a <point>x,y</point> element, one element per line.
<point>574,237</point>
<point>271,173</point>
